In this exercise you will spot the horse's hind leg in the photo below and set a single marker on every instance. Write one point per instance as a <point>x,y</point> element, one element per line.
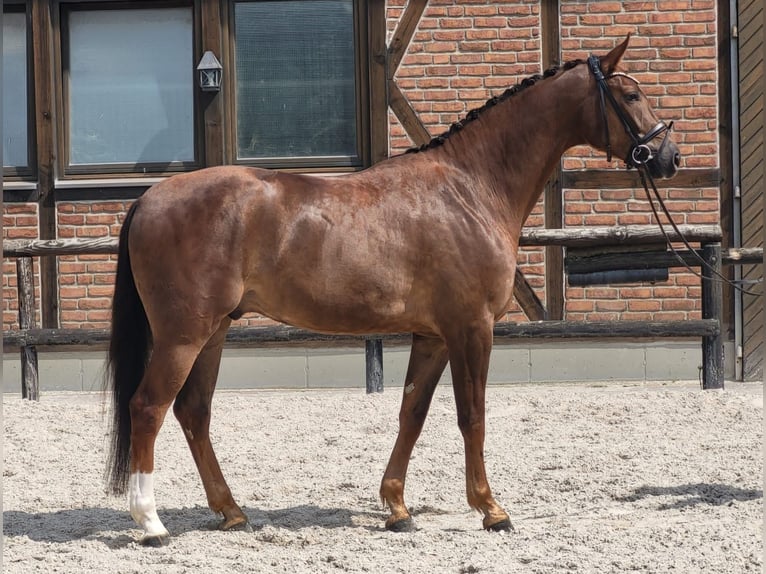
<point>166,372</point>
<point>427,361</point>
<point>192,409</point>
<point>469,360</point>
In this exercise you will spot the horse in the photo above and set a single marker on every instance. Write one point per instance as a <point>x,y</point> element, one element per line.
<point>424,243</point>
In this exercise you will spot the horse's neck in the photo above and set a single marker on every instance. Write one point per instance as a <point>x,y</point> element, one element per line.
<point>511,150</point>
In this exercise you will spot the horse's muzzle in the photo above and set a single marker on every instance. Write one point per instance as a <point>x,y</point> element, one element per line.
<point>665,159</point>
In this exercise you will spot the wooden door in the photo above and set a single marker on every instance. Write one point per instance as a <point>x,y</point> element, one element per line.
<point>750,61</point>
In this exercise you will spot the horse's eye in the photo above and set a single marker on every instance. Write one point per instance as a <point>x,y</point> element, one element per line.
<point>632,97</point>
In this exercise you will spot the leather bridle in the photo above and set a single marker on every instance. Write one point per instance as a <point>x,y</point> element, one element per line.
<point>640,153</point>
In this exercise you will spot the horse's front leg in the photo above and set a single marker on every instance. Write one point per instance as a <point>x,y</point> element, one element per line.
<point>427,361</point>
<point>469,360</point>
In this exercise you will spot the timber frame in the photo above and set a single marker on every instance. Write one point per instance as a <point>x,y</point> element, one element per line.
<point>385,61</point>
<point>381,60</point>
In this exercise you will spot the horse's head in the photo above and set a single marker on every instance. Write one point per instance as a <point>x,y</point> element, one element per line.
<point>622,121</point>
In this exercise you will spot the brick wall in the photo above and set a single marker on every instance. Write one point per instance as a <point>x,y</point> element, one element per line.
<point>19,222</point>
<point>466,51</point>
<point>673,54</point>
<point>463,52</point>
<point>86,282</point>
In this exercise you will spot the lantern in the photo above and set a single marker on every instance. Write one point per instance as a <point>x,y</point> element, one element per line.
<point>209,71</point>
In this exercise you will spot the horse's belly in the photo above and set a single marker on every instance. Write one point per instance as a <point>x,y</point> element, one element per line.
<point>337,307</point>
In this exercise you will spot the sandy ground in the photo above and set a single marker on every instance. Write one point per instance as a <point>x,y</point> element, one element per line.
<point>596,479</point>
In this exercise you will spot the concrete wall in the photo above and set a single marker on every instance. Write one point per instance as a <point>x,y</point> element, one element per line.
<point>589,362</point>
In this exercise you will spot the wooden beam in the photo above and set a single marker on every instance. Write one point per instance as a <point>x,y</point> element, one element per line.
<point>51,247</point>
<point>212,102</point>
<point>44,91</point>
<point>398,102</point>
<point>577,263</point>
<point>728,203</point>
<point>742,256</point>
<point>373,358</point>
<point>25,277</point>
<point>409,119</point>
<point>624,179</point>
<point>527,299</point>
<point>403,34</point>
<point>617,235</point>
<point>570,236</point>
<point>553,195</point>
<point>378,79</point>
<point>712,309</point>
<point>286,336</point>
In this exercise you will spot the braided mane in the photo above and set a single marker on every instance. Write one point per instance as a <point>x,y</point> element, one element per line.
<point>493,101</point>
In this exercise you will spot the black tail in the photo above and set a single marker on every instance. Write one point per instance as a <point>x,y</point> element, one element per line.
<point>129,351</point>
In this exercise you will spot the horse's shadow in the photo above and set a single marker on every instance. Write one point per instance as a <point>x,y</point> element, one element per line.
<point>101,523</point>
<point>712,494</point>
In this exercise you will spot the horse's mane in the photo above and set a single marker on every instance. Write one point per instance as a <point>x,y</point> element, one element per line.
<point>493,101</point>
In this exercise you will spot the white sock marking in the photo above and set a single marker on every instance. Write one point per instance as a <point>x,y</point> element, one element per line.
<point>142,506</point>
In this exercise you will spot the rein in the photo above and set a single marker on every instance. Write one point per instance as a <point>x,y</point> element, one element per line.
<point>639,156</point>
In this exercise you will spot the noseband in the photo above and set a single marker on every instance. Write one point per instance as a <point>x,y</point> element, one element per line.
<point>639,153</point>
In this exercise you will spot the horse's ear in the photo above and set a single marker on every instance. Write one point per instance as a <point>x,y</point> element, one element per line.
<point>610,61</point>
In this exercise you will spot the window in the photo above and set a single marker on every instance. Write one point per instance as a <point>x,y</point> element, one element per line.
<point>129,89</point>
<point>297,86</point>
<point>15,92</point>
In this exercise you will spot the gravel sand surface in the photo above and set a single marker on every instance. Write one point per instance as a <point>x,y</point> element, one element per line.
<point>596,479</point>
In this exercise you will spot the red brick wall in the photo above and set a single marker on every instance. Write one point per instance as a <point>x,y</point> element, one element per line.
<point>463,52</point>
<point>466,51</point>
<point>19,222</point>
<point>673,54</point>
<point>86,282</point>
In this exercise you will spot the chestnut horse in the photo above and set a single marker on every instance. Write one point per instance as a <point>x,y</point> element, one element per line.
<point>424,243</point>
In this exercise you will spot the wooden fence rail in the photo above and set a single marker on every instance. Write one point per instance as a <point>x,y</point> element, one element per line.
<point>568,237</point>
<point>27,338</point>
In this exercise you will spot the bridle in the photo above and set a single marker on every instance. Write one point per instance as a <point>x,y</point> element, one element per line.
<point>639,155</point>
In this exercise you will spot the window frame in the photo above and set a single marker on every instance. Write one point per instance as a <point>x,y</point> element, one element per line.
<point>297,163</point>
<point>61,11</point>
<point>29,171</point>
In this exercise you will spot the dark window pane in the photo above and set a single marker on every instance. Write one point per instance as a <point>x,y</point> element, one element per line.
<point>15,151</point>
<point>296,93</point>
<point>131,86</point>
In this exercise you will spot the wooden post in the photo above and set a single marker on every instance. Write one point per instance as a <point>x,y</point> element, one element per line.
<point>373,354</point>
<point>378,64</point>
<point>550,17</point>
<point>712,308</point>
<point>30,387</point>
<point>44,104</point>
<point>379,102</point>
<point>212,102</point>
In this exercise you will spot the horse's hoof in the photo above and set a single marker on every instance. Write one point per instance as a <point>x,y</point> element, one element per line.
<point>401,525</point>
<point>155,541</point>
<point>502,526</point>
<point>239,524</point>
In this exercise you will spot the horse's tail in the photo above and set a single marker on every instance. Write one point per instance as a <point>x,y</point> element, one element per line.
<point>129,350</point>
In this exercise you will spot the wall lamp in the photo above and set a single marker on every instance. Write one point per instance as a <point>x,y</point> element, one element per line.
<point>209,72</point>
